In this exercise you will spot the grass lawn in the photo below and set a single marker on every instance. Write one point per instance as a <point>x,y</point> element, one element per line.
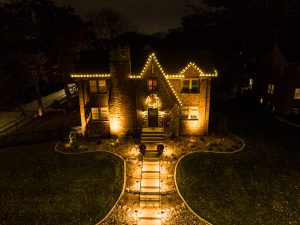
<point>40,186</point>
<point>257,186</point>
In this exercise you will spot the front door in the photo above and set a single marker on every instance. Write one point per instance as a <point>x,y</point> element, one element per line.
<point>153,117</point>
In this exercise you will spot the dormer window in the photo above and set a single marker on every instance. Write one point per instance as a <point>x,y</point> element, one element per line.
<point>152,84</point>
<point>190,86</point>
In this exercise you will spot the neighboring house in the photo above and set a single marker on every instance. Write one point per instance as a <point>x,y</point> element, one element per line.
<point>277,84</point>
<point>139,92</point>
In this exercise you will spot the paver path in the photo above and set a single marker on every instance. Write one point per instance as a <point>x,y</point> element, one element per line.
<point>150,183</point>
<point>150,195</point>
<point>150,189</point>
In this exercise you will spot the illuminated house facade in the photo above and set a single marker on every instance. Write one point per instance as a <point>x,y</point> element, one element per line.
<point>123,101</point>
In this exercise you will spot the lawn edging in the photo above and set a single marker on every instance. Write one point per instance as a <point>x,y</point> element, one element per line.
<point>176,185</point>
<point>212,152</point>
<point>124,169</point>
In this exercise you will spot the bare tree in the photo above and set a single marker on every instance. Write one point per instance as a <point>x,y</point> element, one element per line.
<point>34,62</point>
<point>68,37</point>
<point>109,23</point>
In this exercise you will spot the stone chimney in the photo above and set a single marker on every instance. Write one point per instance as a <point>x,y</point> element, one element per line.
<point>122,93</point>
<point>120,60</point>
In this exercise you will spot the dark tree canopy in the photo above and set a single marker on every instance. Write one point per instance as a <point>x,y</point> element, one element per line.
<point>109,23</point>
<point>31,26</point>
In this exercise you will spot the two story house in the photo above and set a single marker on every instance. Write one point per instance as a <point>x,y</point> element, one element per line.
<point>167,89</point>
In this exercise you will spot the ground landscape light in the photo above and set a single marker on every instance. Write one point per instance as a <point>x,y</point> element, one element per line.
<point>115,125</point>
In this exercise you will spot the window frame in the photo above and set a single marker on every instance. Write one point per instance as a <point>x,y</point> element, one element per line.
<point>102,88</point>
<point>192,113</point>
<point>271,88</point>
<point>251,83</point>
<point>150,84</point>
<point>97,88</point>
<point>95,111</point>
<point>93,88</point>
<point>186,115</point>
<point>99,114</point>
<point>103,115</point>
<point>190,89</point>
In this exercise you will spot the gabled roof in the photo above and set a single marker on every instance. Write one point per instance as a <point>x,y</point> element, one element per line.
<point>179,73</point>
<point>200,71</point>
<point>174,60</point>
<point>152,59</point>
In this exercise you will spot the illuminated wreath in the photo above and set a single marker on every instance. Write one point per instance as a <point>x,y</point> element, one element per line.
<point>152,101</point>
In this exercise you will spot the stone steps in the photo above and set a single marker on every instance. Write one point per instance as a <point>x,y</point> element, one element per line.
<point>151,154</point>
<point>150,182</point>
<point>151,190</point>
<point>150,174</point>
<point>154,204</point>
<point>151,159</point>
<point>150,213</point>
<point>151,167</point>
<point>149,221</point>
<point>150,197</point>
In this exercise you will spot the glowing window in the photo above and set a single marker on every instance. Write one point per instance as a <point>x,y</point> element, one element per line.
<point>184,113</point>
<point>152,84</point>
<point>95,114</point>
<point>100,113</point>
<point>189,113</point>
<point>102,86</point>
<point>297,93</point>
<point>103,113</point>
<point>193,113</point>
<point>190,86</point>
<point>97,86</point>
<point>271,89</point>
<point>93,86</point>
<point>250,83</point>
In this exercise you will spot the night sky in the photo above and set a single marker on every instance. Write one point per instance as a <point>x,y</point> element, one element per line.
<point>149,15</point>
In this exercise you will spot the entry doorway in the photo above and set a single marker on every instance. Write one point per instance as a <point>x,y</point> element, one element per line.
<point>153,117</point>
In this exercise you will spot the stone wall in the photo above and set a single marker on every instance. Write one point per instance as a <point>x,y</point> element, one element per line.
<point>122,101</point>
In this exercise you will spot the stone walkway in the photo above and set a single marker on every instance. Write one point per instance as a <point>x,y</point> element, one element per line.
<point>150,196</point>
<point>150,184</point>
<point>150,188</point>
<point>140,202</point>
